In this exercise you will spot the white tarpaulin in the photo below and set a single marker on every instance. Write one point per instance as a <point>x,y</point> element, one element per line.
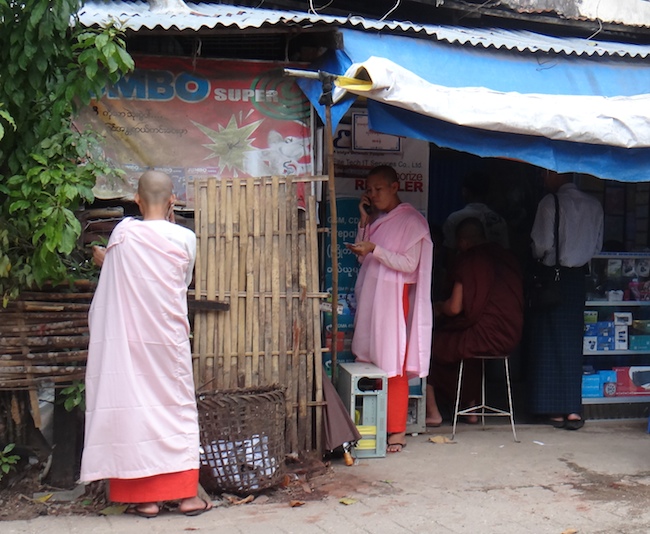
<point>612,121</point>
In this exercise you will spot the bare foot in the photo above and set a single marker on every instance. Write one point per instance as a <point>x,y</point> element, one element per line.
<point>194,506</point>
<point>396,442</point>
<point>145,509</point>
<point>433,421</point>
<point>471,419</point>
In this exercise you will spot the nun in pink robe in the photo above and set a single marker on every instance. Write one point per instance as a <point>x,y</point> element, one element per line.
<point>394,317</point>
<point>141,415</point>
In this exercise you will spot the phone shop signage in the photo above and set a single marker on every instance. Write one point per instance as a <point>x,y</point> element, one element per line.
<point>197,119</point>
<point>347,223</point>
<point>365,140</point>
<point>351,166</point>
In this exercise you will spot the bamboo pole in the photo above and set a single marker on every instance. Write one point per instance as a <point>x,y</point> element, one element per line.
<point>248,283</point>
<point>329,143</point>
<point>275,278</point>
<point>62,342</point>
<point>268,281</point>
<point>41,357</point>
<point>225,239</point>
<point>293,391</point>
<point>318,354</point>
<point>287,203</point>
<point>198,344</point>
<point>236,372</point>
<point>44,328</point>
<point>217,244</point>
<point>255,274</point>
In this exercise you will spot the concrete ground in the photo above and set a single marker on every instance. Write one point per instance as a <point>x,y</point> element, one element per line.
<point>595,480</point>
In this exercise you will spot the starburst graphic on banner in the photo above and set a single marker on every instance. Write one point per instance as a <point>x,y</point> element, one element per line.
<point>230,143</point>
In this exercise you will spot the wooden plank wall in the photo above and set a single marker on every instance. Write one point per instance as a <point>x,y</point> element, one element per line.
<point>258,251</point>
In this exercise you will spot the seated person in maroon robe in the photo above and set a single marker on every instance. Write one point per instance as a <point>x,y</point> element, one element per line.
<point>483,316</point>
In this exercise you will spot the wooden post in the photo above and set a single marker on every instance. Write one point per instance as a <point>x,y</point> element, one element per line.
<point>329,142</point>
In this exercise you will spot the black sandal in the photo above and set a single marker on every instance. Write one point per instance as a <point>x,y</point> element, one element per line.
<point>574,424</point>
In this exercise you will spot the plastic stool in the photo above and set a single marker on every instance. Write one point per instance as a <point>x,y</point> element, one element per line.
<point>483,410</point>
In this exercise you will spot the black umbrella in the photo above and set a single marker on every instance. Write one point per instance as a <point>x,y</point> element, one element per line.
<point>340,430</point>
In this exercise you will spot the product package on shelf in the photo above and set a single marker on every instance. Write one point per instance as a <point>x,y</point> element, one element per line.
<point>633,380</point>
<point>599,384</point>
<point>619,277</point>
<point>599,336</point>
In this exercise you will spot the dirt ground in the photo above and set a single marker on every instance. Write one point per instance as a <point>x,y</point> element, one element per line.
<point>23,496</point>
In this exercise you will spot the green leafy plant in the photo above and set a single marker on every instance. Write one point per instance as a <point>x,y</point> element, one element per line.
<point>74,396</point>
<point>49,68</point>
<point>7,461</point>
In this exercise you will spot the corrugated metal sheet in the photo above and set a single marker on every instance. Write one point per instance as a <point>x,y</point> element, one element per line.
<point>625,12</point>
<point>137,15</point>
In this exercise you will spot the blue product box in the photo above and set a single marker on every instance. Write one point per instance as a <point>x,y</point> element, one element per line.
<point>601,328</point>
<point>591,387</point>
<point>605,343</point>
<point>607,376</point>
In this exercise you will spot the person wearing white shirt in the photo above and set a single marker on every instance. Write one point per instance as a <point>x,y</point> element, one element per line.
<point>556,333</point>
<point>475,191</point>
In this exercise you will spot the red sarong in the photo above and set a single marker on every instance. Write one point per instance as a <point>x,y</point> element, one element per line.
<point>165,487</point>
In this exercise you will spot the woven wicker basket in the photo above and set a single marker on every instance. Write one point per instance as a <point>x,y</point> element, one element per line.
<point>242,439</point>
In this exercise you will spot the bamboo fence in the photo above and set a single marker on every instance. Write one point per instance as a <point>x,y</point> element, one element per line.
<point>258,252</point>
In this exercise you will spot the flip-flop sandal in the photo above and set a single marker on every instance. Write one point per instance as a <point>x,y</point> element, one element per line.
<point>396,444</point>
<point>574,424</point>
<point>134,509</point>
<point>199,511</point>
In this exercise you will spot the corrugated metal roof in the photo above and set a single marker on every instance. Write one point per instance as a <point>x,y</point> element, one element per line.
<point>137,15</point>
<point>624,12</point>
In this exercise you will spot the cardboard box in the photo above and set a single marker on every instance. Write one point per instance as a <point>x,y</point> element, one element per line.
<point>641,326</point>
<point>601,328</point>
<point>591,386</point>
<point>632,381</point>
<point>620,337</point>
<point>605,343</point>
<point>590,316</point>
<point>589,343</point>
<point>608,383</point>
<point>623,318</point>
<point>639,342</point>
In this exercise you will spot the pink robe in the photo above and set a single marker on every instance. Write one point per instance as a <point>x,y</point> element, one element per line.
<point>380,328</point>
<point>141,415</point>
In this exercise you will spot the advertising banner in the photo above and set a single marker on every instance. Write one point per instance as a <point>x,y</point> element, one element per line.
<point>198,118</point>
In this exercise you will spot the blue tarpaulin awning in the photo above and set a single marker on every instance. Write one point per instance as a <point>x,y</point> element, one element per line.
<point>618,146</point>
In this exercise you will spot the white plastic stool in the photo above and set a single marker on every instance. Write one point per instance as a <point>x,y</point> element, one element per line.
<point>483,410</point>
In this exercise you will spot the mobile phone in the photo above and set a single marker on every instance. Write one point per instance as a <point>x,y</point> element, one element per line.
<point>367,208</point>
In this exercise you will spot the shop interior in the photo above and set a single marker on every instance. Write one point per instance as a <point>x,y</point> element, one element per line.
<point>515,190</point>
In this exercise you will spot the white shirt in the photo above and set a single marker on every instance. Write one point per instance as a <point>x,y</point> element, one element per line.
<point>580,231</point>
<point>496,228</point>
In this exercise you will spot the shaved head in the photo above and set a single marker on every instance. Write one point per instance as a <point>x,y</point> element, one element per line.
<point>470,232</point>
<point>387,172</point>
<point>155,188</point>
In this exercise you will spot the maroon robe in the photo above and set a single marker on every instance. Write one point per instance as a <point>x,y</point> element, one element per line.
<point>491,321</point>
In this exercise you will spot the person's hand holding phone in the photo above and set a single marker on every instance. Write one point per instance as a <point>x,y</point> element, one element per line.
<point>170,211</point>
<point>99,253</point>
<point>365,210</point>
<point>361,248</point>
